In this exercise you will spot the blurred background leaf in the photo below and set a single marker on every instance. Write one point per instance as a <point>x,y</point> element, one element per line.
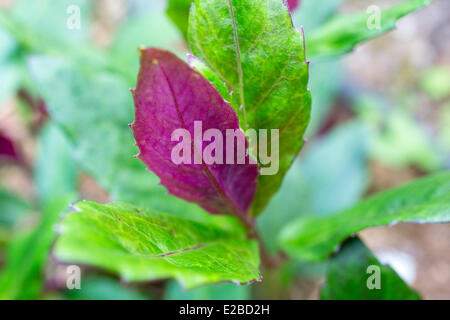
<point>13,208</point>
<point>397,139</point>
<point>142,29</point>
<point>52,32</point>
<point>178,12</point>
<point>315,188</point>
<point>104,288</point>
<point>421,201</point>
<point>342,33</point>
<point>314,13</point>
<point>9,68</point>
<point>55,170</point>
<point>325,83</point>
<point>27,254</point>
<point>348,276</point>
<point>96,123</point>
<point>225,291</point>
<point>436,82</point>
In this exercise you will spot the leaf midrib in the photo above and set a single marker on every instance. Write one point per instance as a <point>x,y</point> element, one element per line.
<point>163,254</point>
<point>228,202</point>
<point>239,63</point>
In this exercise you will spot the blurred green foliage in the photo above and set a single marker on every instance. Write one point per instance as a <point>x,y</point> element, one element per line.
<point>314,13</point>
<point>436,82</point>
<point>397,139</point>
<point>343,32</point>
<point>9,68</point>
<point>178,11</point>
<point>311,188</point>
<point>225,291</point>
<point>103,288</point>
<point>23,276</point>
<point>28,252</point>
<point>424,200</point>
<point>13,209</point>
<point>375,281</point>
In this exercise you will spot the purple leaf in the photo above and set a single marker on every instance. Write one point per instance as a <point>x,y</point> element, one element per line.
<point>292,5</point>
<point>7,149</point>
<point>169,96</point>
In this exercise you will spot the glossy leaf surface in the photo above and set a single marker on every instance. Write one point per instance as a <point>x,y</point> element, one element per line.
<point>254,49</point>
<point>142,245</point>
<point>171,96</point>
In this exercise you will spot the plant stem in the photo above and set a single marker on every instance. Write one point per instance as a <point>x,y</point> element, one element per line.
<point>270,262</point>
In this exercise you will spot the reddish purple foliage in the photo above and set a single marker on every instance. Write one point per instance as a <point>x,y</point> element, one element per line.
<point>292,5</point>
<point>7,149</point>
<point>169,96</point>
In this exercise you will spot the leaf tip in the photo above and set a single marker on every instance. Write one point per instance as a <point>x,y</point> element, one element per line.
<point>239,283</point>
<point>58,228</point>
<point>73,208</point>
<point>141,48</point>
<point>191,59</point>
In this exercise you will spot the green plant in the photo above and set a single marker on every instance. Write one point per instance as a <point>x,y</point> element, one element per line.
<point>251,72</point>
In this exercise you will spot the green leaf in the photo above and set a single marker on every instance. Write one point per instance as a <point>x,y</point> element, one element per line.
<point>142,245</point>
<point>178,12</point>
<point>403,141</point>
<point>26,255</point>
<point>10,76</point>
<point>201,67</point>
<point>223,291</point>
<point>12,210</point>
<point>102,288</point>
<point>436,82</point>
<point>423,201</point>
<point>7,45</point>
<point>29,23</point>
<point>33,32</point>
<point>25,22</point>
<point>354,268</point>
<point>30,14</point>
<point>342,33</point>
<point>397,139</point>
<point>253,48</point>
<point>55,171</point>
<point>312,188</point>
<point>10,71</point>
